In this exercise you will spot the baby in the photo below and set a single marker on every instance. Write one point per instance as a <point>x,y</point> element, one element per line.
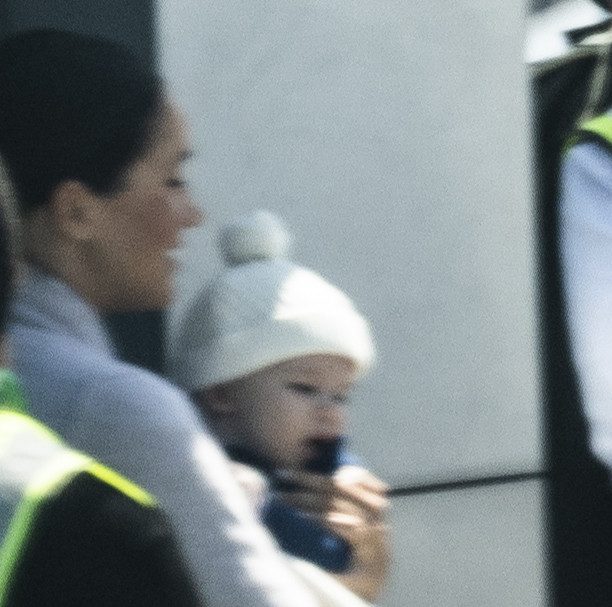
<point>269,352</point>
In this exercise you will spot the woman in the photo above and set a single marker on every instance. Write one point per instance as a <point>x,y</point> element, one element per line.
<point>70,527</point>
<point>95,148</point>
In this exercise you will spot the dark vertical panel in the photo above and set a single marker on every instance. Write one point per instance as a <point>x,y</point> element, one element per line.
<point>139,337</point>
<point>4,21</point>
<point>580,502</point>
<point>126,21</point>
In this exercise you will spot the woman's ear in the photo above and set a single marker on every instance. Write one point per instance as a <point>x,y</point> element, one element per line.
<point>76,210</point>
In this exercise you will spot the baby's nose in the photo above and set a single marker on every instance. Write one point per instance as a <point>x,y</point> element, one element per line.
<point>333,420</point>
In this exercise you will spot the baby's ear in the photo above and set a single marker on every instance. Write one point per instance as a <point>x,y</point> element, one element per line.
<point>215,401</point>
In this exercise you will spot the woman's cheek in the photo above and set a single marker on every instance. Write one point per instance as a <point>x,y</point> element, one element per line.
<point>158,225</point>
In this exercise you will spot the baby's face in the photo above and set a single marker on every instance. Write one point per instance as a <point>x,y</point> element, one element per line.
<point>281,409</point>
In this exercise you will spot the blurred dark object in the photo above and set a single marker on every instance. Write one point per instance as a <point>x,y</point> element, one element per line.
<point>296,533</point>
<point>327,455</point>
<point>139,337</point>
<point>580,500</point>
<point>582,32</point>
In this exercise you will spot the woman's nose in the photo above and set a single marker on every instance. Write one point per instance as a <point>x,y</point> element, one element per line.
<point>190,213</point>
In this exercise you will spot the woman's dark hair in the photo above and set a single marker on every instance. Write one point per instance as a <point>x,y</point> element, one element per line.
<point>8,242</point>
<point>7,268</point>
<point>72,107</point>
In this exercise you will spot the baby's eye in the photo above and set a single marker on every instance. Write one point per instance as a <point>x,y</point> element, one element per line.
<point>306,389</point>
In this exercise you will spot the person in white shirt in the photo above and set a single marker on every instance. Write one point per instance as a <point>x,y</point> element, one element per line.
<point>569,54</point>
<point>586,255</point>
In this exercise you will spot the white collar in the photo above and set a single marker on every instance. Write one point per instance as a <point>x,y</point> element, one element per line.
<point>48,303</point>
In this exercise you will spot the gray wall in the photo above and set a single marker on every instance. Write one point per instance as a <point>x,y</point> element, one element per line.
<point>393,137</point>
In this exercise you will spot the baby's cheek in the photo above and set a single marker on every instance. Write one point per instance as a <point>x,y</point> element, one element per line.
<point>303,424</point>
<point>281,432</point>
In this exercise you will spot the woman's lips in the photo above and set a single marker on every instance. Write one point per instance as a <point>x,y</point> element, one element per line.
<point>175,258</point>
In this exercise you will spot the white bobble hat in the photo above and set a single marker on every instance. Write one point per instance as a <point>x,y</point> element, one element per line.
<point>262,310</point>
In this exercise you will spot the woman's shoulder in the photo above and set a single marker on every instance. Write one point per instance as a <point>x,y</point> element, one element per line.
<point>128,390</point>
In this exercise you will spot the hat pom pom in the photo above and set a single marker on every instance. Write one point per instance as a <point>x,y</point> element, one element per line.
<point>258,236</point>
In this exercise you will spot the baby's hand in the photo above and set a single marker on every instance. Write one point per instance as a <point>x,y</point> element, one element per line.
<point>352,504</point>
<point>252,482</point>
<point>352,490</point>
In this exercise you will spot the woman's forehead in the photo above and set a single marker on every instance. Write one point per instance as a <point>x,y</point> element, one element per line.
<point>170,137</point>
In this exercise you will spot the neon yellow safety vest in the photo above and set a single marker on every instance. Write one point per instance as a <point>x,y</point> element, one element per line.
<point>34,466</point>
<point>596,129</point>
<point>11,396</point>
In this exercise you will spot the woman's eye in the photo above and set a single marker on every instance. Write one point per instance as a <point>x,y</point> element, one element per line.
<point>303,388</point>
<point>176,183</point>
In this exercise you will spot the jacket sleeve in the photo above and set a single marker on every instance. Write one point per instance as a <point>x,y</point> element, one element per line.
<point>142,427</point>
